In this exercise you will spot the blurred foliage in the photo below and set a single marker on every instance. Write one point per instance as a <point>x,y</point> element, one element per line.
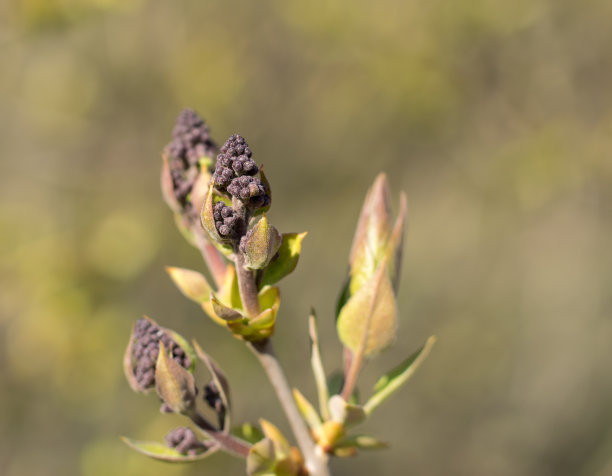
<point>495,117</point>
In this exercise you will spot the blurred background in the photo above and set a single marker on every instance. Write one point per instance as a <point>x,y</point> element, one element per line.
<point>495,118</point>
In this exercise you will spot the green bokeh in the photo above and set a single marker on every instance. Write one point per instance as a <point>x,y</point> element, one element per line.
<point>494,117</point>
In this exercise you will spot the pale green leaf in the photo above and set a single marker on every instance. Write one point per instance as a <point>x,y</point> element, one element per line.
<point>162,452</point>
<point>191,283</point>
<point>367,323</point>
<point>394,379</point>
<point>307,410</point>
<point>364,442</point>
<point>317,366</point>
<point>248,432</point>
<point>285,263</point>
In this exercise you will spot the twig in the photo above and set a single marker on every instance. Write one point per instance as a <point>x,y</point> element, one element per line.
<point>228,442</point>
<point>316,460</point>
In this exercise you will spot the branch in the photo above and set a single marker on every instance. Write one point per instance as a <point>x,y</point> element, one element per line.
<point>316,460</point>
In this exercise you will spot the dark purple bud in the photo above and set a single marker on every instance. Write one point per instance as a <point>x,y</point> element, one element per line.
<point>233,161</point>
<point>145,349</point>
<point>185,441</point>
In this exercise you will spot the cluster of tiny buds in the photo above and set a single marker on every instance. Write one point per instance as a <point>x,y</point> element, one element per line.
<point>213,399</point>
<point>146,339</point>
<point>185,441</point>
<point>233,161</point>
<point>190,142</point>
<point>226,221</point>
<point>250,190</point>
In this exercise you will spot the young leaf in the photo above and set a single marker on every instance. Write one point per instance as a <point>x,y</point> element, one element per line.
<point>248,432</point>
<point>191,283</point>
<point>224,312</point>
<point>307,410</point>
<point>364,442</point>
<point>373,228</point>
<point>394,379</point>
<point>162,452</point>
<point>260,461</point>
<point>174,385</point>
<point>317,366</point>
<point>285,263</point>
<point>367,323</point>
<point>281,445</point>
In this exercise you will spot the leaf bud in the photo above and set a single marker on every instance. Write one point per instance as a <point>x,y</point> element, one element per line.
<point>174,384</point>
<point>260,244</point>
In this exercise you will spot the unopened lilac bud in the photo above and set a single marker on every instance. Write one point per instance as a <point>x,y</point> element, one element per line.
<point>226,222</point>
<point>185,441</point>
<point>233,161</point>
<point>250,190</point>
<point>143,350</point>
<point>190,142</point>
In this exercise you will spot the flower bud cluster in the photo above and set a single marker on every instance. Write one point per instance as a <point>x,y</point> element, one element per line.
<point>226,221</point>
<point>145,350</point>
<point>234,173</point>
<point>185,441</point>
<point>190,142</point>
<point>250,190</point>
<point>233,161</point>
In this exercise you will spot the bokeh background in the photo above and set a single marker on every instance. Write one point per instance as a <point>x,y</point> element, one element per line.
<point>495,117</point>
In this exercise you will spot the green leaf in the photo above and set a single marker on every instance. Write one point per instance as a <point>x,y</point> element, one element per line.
<point>345,294</point>
<point>162,452</point>
<point>269,297</point>
<point>281,445</point>
<point>191,283</point>
<point>364,442</point>
<point>394,379</point>
<point>224,312</point>
<point>307,410</point>
<point>262,325</point>
<point>260,461</point>
<point>248,432</point>
<point>367,323</point>
<point>317,366</point>
<point>285,263</point>
<point>335,382</point>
